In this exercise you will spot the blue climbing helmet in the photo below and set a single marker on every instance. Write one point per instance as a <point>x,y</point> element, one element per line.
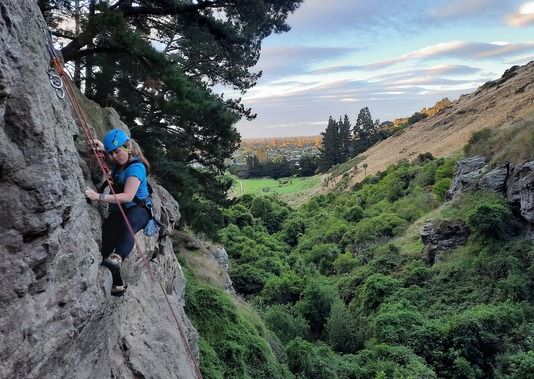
<point>115,138</point>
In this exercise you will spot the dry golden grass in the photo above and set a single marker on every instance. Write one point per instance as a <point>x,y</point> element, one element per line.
<point>204,268</point>
<point>446,133</point>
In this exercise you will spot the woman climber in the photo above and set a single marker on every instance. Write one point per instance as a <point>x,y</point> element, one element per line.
<point>129,179</point>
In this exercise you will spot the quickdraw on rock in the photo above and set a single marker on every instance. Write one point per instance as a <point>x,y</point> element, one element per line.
<point>56,66</point>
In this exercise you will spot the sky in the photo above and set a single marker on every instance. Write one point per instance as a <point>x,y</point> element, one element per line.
<point>393,56</point>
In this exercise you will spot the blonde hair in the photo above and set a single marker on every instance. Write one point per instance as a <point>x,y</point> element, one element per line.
<point>135,151</point>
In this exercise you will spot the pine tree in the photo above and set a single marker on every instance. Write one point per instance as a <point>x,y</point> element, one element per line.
<point>363,131</point>
<point>345,138</point>
<point>330,150</point>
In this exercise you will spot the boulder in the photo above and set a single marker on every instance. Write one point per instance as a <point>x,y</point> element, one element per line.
<point>442,236</point>
<point>495,180</point>
<point>467,174</point>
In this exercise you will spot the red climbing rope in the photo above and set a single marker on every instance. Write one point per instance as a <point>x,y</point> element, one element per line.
<point>57,63</point>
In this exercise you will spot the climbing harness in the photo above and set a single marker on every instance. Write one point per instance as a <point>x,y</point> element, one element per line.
<point>57,63</point>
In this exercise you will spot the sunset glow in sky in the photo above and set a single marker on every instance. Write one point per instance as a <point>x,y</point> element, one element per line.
<point>395,57</point>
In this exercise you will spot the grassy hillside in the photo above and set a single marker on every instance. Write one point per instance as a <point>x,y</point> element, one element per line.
<point>501,103</point>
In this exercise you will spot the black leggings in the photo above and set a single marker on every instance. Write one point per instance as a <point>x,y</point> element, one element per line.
<point>115,234</point>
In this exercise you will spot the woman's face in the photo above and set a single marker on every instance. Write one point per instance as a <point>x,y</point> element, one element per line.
<point>120,156</point>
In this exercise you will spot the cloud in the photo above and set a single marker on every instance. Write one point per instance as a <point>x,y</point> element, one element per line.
<point>461,8</point>
<point>284,61</point>
<point>523,17</point>
<point>463,50</point>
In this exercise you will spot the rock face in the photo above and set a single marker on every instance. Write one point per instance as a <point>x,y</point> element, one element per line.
<point>219,255</point>
<point>58,319</point>
<point>514,182</point>
<point>467,173</point>
<point>442,236</point>
<point>520,189</point>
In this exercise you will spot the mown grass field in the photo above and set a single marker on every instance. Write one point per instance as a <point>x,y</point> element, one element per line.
<point>286,187</point>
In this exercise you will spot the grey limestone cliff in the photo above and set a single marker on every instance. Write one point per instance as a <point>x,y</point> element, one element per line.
<point>57,318</point>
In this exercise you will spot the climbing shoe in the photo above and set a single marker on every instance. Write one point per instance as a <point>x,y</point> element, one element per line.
<point>118,290</point>
<point>113,262</point>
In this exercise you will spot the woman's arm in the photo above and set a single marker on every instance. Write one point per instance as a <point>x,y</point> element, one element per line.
<point>130,189</point>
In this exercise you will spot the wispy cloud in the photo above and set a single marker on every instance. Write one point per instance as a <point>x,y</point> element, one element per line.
<point>461,8</point>
<point>284,61</point>
<point>523,17</point>
<point>459,49</point>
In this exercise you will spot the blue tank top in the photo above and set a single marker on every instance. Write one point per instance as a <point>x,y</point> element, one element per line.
<point>138,170</point>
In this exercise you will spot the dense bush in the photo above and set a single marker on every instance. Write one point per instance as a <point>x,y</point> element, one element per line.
<point>231,345</point>
<point>247,279</point>
<point>490,219</point>
<point>285,324</point>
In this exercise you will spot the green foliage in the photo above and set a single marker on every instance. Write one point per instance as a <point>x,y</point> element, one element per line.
<point>308,361</point>
<point>283,289</point>
<point>285,324</point>
<point>315,304</point>
<point>292,228</point>
<point>344,263</point>
<point>490,219</point>
<point>398,362</point>
<point>323,256</point>
<point>396,323</point>
<point>344,332</point>
<point>270,211</point>
<point>371,229</point>
<point>232,346</point>
<point>516,365</point>
<point>247,279</point>
<point>357,289</point>
<point>441,187</point>
<point>376,289</point>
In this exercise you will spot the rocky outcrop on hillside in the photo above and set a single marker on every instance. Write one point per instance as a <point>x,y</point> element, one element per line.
<point>441,237</point>
<point>58,319</point>
<point>516,182</point>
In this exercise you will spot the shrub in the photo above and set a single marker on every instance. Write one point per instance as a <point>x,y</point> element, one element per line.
<point>315,304</point>
<point>285,324</point>
<point>384,225</point>
<point>397,323</point>
<point>376,288</point>
<point>441,187</point>
<point>231,345</point>
<point>308,361</point>
<point>397,362</point>
<point>284,289</point>
<point>344,332</point>
<point>247,279</point>
<point>344,263</point>
<point>323,256</point>
<point>354,213</point>
<point>490,219</point>
<point>516,365</point>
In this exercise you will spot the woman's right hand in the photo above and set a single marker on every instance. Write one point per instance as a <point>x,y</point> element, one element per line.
<point>97,145</point>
